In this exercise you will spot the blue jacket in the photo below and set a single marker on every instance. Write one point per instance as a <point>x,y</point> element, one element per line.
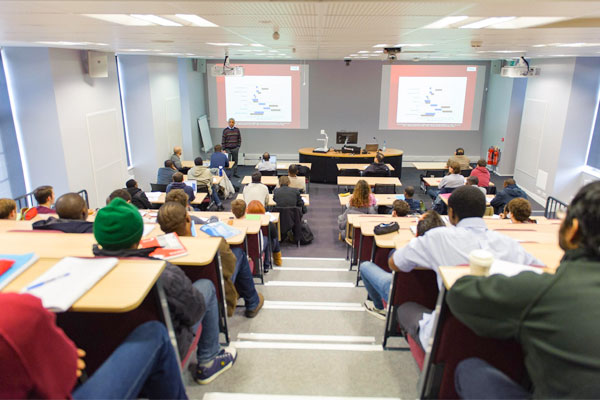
<point>219,160</point>
<point>505,196</point>
<point>165,175</point>
<point>180,185</point>
<point>414,204</point>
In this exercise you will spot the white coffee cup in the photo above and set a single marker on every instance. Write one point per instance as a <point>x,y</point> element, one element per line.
<point>480,262</point>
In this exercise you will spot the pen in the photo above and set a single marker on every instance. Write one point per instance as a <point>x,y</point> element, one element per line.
<point>47,281</point>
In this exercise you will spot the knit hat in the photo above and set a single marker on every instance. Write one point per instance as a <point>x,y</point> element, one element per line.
<point>118,225</point>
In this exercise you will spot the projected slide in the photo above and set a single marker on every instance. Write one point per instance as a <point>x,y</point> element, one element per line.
<point>259,98</point>
<point>431,100</point>
<point>267,96</point>
<point>431,97</point>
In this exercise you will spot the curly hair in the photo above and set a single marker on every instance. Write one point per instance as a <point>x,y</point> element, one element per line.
<point>360,196</point>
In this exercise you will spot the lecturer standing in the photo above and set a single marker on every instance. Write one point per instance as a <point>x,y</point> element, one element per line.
<point>231,142</point>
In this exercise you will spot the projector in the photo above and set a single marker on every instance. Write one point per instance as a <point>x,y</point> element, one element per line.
<point>220,70</point>
<point>519,72</point>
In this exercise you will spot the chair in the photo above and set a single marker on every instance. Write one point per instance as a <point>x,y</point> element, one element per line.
<point>268,173</point>
<point>157,187</point>
<point>552,206</point>
<point>384,188</point>
<point>207,199</point>
<point>83,193</point>
<point>290,219</point>
<point>350,172</point>
<point>377,174</point>
<point>465,172</point>
<point>305,172</point>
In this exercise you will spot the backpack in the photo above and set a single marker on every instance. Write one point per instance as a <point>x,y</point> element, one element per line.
<point>306,235</point>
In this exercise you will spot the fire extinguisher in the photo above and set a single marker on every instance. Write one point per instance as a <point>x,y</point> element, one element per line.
<point>490,157</point>
<point>495,156</point>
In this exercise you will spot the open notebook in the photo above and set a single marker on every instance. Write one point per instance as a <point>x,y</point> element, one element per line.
<point>67,280</point>
<point>12,265</point>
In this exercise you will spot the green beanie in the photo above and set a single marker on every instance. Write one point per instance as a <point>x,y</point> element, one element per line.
<point>118,225</point>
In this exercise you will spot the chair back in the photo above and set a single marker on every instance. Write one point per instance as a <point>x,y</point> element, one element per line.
<point>384,188</point>
<point>552,206</point>
<point>303,171</point>
<point>201,188</point>
<point>350,172</point>
<point>158,187</point>
<point>290,218</point>
<point>381,174</point>
<point>268,173</point>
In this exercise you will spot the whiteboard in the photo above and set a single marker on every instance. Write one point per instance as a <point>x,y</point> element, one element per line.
<point>206,145</point>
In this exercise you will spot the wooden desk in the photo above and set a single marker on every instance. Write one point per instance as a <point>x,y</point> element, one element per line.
<point>324,167</point>
<point>434,182</point>
<point>206,163</point>
<point>161,199</point>
<point>371,180</point>
<point>382,199</point>
<point>305,198</point>
<point>488,197</point>
<point>360,167</point>
<point>285,165</point>
<point>430,166</point>
<point>265,180</point>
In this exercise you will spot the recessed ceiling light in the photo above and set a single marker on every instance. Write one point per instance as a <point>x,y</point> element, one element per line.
<point>378,52</point>
<point>526,22</point>
<point>445,22</point>
<point>257,45</point>
<point>353,55</point>
<point>362,52</point>
<point>66,43</point>
<point>171,54</point>
<point>155,19</point>
<point>501,51</point>
<point>486,22</point>
<point>121,19</point>
<point>381,45</point>
<point>580,44</point>
<point>225,44</point>
<point>132,50</point>
<point>273,51</point>
<point>196,20</point>
<point>539,45</point>
<point>412,45</point>
<point>163,41</point>
<point>245,50</point>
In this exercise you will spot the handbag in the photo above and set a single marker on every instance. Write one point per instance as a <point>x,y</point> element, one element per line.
<point>384,228</point>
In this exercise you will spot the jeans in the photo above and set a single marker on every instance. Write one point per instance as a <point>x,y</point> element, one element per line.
<point>215,194</point>
<point>234,157</point>
<point>377,281</point>
<point>409,314</point>
<point>274,240</point>
<point>143,365</point>
<point>433,192</point>
<point>476,379</point>
<point>242,278</point>
<point>208,345</point>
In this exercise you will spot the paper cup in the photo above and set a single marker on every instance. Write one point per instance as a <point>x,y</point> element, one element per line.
<point>480,262</point>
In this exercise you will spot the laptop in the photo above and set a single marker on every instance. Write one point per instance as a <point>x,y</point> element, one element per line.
<point>372,147</point>
<point>273,159</point>
<point>193,184</point>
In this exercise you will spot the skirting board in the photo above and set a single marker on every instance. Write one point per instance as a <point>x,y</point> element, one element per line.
<point>254,158</point>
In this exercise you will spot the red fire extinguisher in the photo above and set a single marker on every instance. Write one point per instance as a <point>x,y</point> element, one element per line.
<point>490,156</point>
<point>496,156</point>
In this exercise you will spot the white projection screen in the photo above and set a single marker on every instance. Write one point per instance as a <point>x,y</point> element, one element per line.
<point>268,96</point>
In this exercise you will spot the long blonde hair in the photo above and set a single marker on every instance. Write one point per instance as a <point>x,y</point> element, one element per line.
<point>361,194</point>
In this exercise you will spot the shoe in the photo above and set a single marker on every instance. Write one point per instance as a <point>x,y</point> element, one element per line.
<point>222,362</point>
<point>252,313</point>
<point>220,207</point>
<point>376,312</point>
<point>277,258</point>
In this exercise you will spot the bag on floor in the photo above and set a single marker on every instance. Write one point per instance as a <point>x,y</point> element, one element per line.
<point>306,235</point>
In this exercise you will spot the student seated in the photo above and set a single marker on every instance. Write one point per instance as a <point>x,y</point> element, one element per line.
<point>218,158</point>
<point>138,197</point>
<point>482,173</point>
<point>451,245</point>
<point>8,209</point>
<point>377,167</point>
<point>255,207</point>
<point>503,197</point>
<point>518,211</point>
<point>474,181</point>
<point>459,157</point>
<point>176,159</point>
<point>178,184</point>
<point>377,281</point>
<point>360,203</point>
<point>173,217</point>
<point>285,196</point>
<point>165,174</point>
<point>44,195</point>
<point>204,177</point>
<point>552,316</point>
<point>72,215</point>
<point>39,361</point>
<point>256,190</point>
<point>121,193</point>
<point>451,181</point>
<point>265,164</point>
<point>415,206</point>
<point>297,182</point>
<point>118,229</point>
<point>400,208</point>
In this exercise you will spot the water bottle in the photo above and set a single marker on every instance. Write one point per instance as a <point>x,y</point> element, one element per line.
<point>220,170</point>
<point>383,148</point>
<point>422,206</point>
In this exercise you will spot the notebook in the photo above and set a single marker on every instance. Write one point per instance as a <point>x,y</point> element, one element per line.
<point>511,269</point>
<point>219,229</point>
<point>12,265</point>
<point>169,246</point>
<point>69,279</point>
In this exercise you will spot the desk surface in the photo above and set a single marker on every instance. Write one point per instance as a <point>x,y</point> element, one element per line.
<point>431,166</point>
<point>451,274</point>
<point>382,199</point>
<point>286,165</point>
<point>225,215</point>
<point>161,199</point>
<point>308,151</point>
<point>122,289</point>
<point>305,198</point>
<point>371,180</point>
<point>206,163</point>
<point>488,198</point>
<point>359,166</point>
<point>265,180</point>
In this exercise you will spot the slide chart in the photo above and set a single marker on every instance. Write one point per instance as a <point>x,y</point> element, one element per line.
<point>259,98</point>
<point>431,100</point>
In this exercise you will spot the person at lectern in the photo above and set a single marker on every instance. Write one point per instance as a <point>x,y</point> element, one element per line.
<point>231,142</point>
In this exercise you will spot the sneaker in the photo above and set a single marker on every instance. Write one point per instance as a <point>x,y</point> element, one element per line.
<point>252,313</point>
<point>221,363</point>
<point>220,207</point>
<point>376,312</point>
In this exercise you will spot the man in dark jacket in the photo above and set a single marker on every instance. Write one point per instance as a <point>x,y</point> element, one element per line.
<point>510,191</point>
<point>377,167</point>
<point>165,174</point>
<point>72,215</point>
<point>138,197</point>
<point>118,229</point>
<point>553,316</point>
<point>178,184</point>
<point>285,196</point>
<point>231,142</point>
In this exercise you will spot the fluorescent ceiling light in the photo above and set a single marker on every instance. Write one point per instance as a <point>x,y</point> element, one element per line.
<point>381,45</point>
<point>273,51</point>
<point>539,45</point>
<point>378,52</point>
<point>155,19</point>
<point>196,20</point>
<point>486,22</point>
<point>526,22</point>
<point>412,45</point>
<point>224,44</point>
<point>257,45</point>
<point>362,52</point>
<point>353,55</point>
<point>445,22</point>
<point>245,50</point>
<point>580,44</point>
<point>502,51</point>
<point>121,19</point>
<point>132,50</point>
<point>171,54</point>
<point>65,43</point>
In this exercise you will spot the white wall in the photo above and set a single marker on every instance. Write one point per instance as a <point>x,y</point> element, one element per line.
<point>191,85</point>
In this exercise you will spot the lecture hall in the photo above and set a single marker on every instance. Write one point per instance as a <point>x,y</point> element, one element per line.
<point>284,200</point>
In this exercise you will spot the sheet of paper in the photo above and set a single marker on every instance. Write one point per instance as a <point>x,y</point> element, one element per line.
<point>511,269</point>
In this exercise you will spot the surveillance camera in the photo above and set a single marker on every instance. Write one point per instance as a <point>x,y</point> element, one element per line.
<point>347,61</point>
<point>276,35</point>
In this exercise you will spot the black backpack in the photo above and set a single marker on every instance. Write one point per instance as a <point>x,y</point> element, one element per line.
<point>306,235</point>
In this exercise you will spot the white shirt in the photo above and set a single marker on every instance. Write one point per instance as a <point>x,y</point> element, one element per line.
<point>256,191</point>
<point>451,246</point>
<point>266,166</point>
<point>452,181</point>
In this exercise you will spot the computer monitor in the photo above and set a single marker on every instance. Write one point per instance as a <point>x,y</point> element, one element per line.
<point>340,137</point>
